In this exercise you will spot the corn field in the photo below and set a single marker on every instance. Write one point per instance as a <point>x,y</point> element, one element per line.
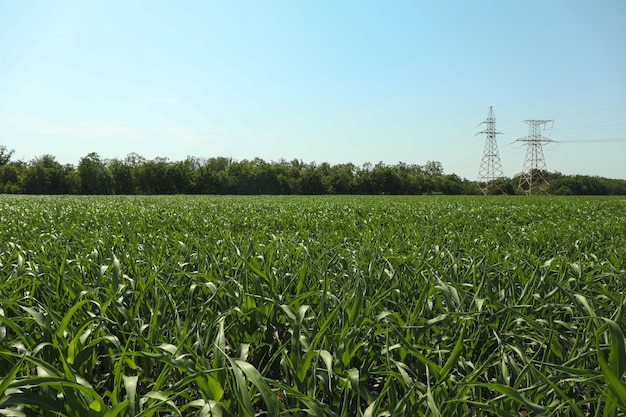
<point>312,306</point>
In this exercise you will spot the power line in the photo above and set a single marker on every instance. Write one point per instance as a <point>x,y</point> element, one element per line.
<point>592,140</point>
<point>591,111</point>
<point>609,126</point>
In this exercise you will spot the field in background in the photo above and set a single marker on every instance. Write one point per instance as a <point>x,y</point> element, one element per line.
<point>339,306</point>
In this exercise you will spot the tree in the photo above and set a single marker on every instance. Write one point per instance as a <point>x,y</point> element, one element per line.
<point>341,179</point>
<point>288,176</point>
<point>94,175</point>
<point>312,182</point>
<point>71,180</point>
<point>122,178</point>
<point>433,168</point>
<point>449,184</point>
<point>153,178</point>
<point>183,175</point>
<point>5,155</point>
<point>45,175</point>
<point>384,180</point>
<point>412,178</point>
<point>133,160</point>
<point>10,175</point>
<point>265,178</point>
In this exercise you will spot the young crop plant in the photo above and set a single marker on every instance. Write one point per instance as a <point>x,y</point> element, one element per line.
<point>312,306</point>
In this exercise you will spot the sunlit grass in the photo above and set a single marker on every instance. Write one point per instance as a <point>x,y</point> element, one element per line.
<point>339,306</point>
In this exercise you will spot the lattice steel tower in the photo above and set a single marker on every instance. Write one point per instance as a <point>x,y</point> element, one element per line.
<point>490,177</point>
<point>533,177</point>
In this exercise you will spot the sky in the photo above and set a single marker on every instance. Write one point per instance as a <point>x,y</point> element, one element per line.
<point>332,81</point>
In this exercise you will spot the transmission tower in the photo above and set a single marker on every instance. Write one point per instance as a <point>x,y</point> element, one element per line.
<point>490,173</point>
<point>533,177</point>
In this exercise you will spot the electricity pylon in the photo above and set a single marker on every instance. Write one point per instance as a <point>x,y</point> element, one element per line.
<point>533,177</point>
<point>490,173</point>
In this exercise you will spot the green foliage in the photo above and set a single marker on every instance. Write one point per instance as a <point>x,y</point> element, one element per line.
<point>136,175</point>
<point>5,155</point>
<point>94,175</point>
<point>325,306</point>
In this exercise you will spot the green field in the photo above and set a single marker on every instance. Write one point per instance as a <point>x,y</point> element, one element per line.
<point>338,306</point>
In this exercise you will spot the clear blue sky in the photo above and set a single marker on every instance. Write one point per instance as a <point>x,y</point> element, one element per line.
<point>327,80</point>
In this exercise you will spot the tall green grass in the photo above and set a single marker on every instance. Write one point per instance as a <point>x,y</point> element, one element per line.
<point>327,306</point>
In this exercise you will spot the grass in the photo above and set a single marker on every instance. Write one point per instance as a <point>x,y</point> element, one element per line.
<point>325,306</point>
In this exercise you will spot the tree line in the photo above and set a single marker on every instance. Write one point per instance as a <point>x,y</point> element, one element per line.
<point>220,175</point>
